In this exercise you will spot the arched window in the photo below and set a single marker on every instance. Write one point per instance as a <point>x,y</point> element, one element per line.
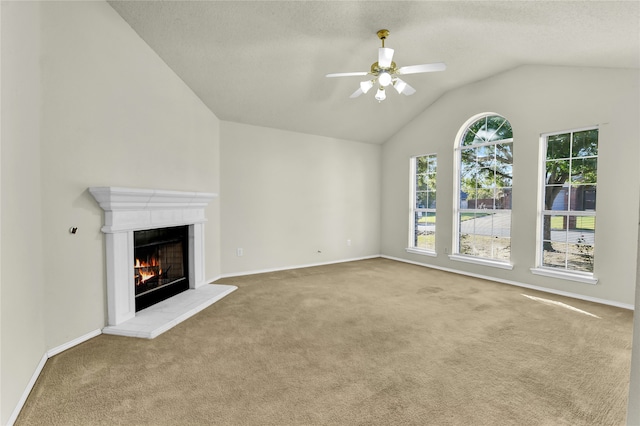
<point>484,176</point>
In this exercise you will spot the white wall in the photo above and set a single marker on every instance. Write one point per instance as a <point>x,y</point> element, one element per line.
<point>96,108</point>
<point>23,340</point>
<point>633,413</point>
<point>285,196</point>
<point>535,100</point>
<point>114,115</point>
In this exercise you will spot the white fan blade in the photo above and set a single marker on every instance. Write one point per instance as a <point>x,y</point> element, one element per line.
<point>356,93</point>
<point>402,87</point>
<point>366,85</point>
<point>385,55</point>
<point>408,91</point>
<point>348,74</point>
<point>414,69</point>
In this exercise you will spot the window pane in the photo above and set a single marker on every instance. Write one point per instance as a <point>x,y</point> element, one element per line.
<point>554,255</point>
<point>471,136</point>
<point>557,172</point>
<point>468,173</point>
<point>466,244</point>
<point>482,246</point>
<point>483,199</point>
<point>580,257</point>
<point>485,156</point>
<point>431,168</point>
<point>501,248</point>
<point>503,181</point>
<point>504,174</point>
<point>585,143</point>
<point>421,164</point>
<point>585,223</point>
<point>503,198</point>
<point>504,153</point>
<point>554,228</point>
<point>583,197</point>
<point>431,200</point>
<point>422,182</point>
<point>425,223</point>
<point>503,128</point>
<point>582,229</point>
<point>584,170</point>
<point>483,224</point>
<point>501,224</point>
<point>421,200</point>
<point>467,223</point>
<point>556,197</point>
<point>468,196</point>
<point>464,204</point>
<point>558,146</point>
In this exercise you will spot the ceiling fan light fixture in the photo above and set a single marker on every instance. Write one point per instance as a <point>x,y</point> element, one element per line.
<point>366,85</point>
<point>384,79</point>
<point>385,72</point>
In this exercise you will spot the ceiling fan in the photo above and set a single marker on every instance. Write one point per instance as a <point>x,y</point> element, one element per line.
<point>386,73</point>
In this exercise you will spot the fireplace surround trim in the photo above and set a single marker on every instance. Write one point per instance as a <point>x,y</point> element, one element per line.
<point>130,209</point>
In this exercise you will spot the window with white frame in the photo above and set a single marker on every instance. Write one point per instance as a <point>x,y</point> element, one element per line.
<point>568,201</point>
<point>422,229</point>
<point>484,176</point>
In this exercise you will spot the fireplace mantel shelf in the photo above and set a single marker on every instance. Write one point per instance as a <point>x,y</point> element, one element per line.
<point>113,198</point>
<point>136,209</point>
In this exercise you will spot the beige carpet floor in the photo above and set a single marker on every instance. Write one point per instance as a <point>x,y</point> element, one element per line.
<point>373,342</point>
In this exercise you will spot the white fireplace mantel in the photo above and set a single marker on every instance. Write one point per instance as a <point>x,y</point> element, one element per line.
<point>130,209</point>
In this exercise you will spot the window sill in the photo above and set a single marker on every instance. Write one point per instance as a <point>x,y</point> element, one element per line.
<point>565,275</point>
<point>421,251</point>
<point>480,261</point>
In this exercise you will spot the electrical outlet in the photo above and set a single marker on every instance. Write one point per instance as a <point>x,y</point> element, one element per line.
<point>239,252</point>
<point>349,243</point>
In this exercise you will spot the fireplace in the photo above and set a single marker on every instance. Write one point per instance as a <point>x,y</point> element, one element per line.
<point>154,255</point>
<point>160,264</point>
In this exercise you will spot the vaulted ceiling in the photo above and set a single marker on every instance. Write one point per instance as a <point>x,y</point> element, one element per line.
<point>264,62</point>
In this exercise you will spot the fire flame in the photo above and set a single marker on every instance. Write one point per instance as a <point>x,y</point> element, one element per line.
<point>146,270</point>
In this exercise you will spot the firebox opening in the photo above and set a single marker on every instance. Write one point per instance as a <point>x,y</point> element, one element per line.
<point>160,268</point>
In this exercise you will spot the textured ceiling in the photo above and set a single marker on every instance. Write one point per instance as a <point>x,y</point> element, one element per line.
<point>264,62</point>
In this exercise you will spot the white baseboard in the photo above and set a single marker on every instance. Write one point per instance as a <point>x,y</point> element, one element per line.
<point>74,342</point>
<point>27,391</point>
<point>519,284</point>
<point>43,361</point>
<point>287,268</point>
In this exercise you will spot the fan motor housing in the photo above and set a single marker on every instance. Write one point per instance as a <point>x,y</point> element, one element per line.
<point>376,69</point>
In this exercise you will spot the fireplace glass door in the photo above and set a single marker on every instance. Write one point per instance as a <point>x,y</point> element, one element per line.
<point>160,269</point>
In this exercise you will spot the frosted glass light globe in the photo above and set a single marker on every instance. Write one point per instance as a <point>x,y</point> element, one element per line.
<point>384,79</point>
